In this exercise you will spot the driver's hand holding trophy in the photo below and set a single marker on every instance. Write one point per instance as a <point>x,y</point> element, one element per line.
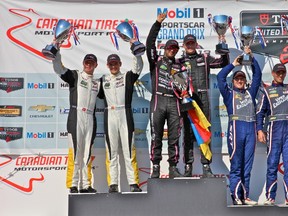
<point>62,31</point>
<point>247,35</point>
<point>128,32</point>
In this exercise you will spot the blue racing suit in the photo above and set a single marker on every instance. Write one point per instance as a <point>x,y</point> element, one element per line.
<point>274,104</point>
<point>241,140</point>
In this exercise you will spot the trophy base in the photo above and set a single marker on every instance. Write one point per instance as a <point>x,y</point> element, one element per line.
<point>222,49</point>
<point>247,60</point>
<point>138,48</point>
<point>50,52</point>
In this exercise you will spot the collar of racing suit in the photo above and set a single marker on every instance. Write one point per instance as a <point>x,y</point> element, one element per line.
<point>86,76</point>
<point>115,75</point>
<point>277,84</point>
<point>191,56</point>
<point>239,90</point>
<point>168,60</point>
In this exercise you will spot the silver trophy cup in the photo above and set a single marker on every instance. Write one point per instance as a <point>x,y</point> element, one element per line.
<point>247,36</point>
<point>180,84</point>
<point>126,32</point>
<point>61,33</point>
<point>220,24</point>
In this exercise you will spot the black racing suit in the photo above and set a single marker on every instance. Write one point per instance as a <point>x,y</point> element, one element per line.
<point>164,104</point>
<point>198,66</point>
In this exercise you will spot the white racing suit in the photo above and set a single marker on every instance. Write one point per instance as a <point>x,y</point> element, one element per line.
<point>81,123</point>
<point>119,123</point>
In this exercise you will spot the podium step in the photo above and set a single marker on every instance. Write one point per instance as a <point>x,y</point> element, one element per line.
<point>167,197</point>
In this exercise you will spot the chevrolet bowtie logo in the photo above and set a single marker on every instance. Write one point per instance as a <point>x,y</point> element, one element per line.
<point>222,108</point>
<point>41,108</point>
<point>138,131</point>
<point>139,82</point>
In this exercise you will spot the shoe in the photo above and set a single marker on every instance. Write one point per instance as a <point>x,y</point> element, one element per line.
<point>237,202</point>
<point>113,188</point>
<point>88,190</point>
<point>174,172</point>
<point>73,189</point>
<point>269,201</point>
<point>248,201</point>
<point>286,202</point>
<point>156,171</point>
<point>188,170</point>
<point>135,188</point>
<point>207,173</point>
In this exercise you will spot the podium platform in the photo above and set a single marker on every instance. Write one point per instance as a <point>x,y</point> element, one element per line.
<point>168,197</point>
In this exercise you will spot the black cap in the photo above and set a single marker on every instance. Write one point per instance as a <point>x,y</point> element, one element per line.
<point>238,74</point>
<point>171,43</point>
<point>91,57</point>
<point>189,37</point>
<point>113,57</point>
<point>279,67</point>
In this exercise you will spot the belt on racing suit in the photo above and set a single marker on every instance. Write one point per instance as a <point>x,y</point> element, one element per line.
<point>84,109</point>
<point>202,90</point>
<point>165,95</point>
<point>118,107</point>
<point>278,117</point>
<point>242,118</point>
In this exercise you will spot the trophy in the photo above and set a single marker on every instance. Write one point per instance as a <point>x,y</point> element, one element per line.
<point>247,35</point>
<point>180,84</point>
<point>220,24</point>
<point>126,32</point>
<point>62,31</point>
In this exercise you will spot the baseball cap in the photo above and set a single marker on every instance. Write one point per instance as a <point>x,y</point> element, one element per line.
<point>279,67</point>
<point>91,57</point>
<point>239,74</point>
<point>113,57</point>
<point>189,37</point>
<point>171,43</point>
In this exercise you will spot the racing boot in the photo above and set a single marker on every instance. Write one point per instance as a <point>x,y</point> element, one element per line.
<point>207,173</point>
<point>156,171</point>
<point>248,201</point>
<point>88,190</point>
<point>269,202</point>
<point>236,201</point>
<point>174,172</point>
<point>73,189</point>
<point>135,188</point>
<point>188,170</point>
<point>113,188</point>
